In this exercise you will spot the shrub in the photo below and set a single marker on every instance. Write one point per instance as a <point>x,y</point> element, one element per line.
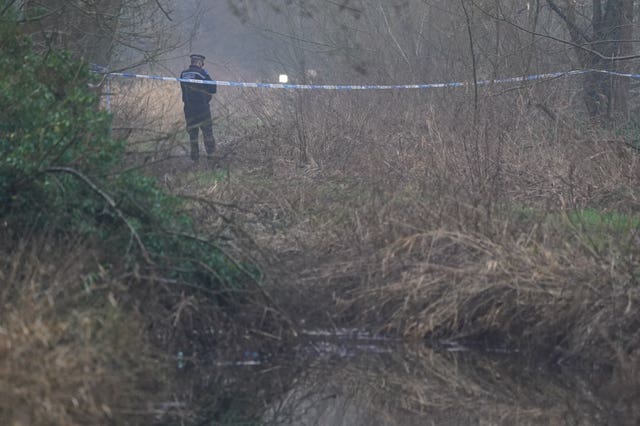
<point>59,170</point>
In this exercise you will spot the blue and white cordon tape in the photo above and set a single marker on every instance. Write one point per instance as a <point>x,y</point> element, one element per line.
<point>368,87</point>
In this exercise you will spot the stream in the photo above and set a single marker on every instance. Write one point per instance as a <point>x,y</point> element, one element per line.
<point>351,378</point>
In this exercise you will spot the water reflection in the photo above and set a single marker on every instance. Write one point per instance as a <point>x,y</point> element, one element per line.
<point>353,383</point>
<point>361,381</point>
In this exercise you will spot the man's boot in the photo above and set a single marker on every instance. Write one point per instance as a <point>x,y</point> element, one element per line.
<point>193,142</point>
<point>195,152</point>
<point>210,146</point>
<point>209,141</point>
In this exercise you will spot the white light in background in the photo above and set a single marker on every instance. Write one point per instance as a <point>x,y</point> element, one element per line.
<point>283,78</point>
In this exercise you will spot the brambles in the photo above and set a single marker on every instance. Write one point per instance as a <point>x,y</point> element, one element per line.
<point>60,170</point>
<point>103,271</point>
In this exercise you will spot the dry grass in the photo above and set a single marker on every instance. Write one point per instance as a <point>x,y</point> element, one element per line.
<point>411,385</point>
<point>414,216</point>
<point>82,342</point>
<point>418,222</point>
<point>71,351</point>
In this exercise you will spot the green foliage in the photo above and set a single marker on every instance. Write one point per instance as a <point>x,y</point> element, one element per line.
<point>48,117</point>
<point>610,222</point>
<point>630,133</point>
<point>58,169</point>
<point>604,231</point>
<point>600,231</point>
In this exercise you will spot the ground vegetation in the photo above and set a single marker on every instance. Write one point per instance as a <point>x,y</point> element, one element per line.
<point>495,216</point>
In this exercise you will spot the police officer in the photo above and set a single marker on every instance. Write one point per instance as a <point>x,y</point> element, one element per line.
<point>196,98</point>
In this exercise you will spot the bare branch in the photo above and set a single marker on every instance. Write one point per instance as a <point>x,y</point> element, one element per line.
<point>473,59</point>
<point>393,37</point>
<point>165,12</point>
<point>573,28</point>
<point>7,7</point>
<point>110,202</point>
<point>579,46</point>
<point>345,6</point>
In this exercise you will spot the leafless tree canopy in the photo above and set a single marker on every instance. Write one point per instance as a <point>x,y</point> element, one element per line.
<point>106,32</point>
<point>435,40</point>
<point>370,40</point>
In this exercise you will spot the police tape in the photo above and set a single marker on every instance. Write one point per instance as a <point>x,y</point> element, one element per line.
<point>521,79</point>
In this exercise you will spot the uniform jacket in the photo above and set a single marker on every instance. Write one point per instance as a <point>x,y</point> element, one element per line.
<point>195,96</point>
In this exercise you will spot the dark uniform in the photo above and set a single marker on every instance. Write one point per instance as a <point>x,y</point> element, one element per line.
<point>196,98</point>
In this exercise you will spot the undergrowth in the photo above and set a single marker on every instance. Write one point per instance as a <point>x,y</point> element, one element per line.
<point>424,221</point>
<point>72,351</point>
<point>105,275</point>
<point>512,238</point>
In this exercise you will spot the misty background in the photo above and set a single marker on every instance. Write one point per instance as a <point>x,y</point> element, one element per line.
<point>362,41</point>
<point>234,49</point>
<point>365,42</point>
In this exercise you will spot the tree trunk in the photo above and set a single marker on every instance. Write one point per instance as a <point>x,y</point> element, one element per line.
<point>608,37</point>
<point>88,29</point>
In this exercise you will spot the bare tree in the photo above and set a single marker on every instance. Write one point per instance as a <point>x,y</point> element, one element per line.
<point>602,34</point>
<point>97,31</point>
